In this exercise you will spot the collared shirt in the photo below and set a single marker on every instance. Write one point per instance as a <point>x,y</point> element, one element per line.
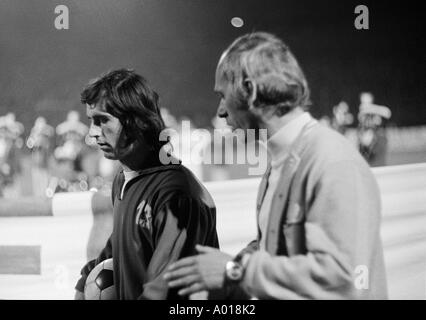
<point>278,147</point>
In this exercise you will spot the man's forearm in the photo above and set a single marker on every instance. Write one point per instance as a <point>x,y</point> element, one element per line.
<point>310,276</point>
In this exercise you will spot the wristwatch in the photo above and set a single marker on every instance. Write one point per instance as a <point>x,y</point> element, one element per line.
<point>234,270</point>
<point>234,273</point>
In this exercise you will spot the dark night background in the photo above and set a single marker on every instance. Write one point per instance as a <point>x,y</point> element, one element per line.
<point>177,43</point>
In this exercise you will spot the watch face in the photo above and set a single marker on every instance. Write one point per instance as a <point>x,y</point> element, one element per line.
<point>234,271</point>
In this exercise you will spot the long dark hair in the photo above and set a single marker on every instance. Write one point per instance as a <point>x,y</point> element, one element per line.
<point>127,96</point>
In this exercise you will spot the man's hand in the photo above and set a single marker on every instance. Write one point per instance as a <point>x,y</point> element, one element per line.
<point>79,295</point>
<point>205,271</point>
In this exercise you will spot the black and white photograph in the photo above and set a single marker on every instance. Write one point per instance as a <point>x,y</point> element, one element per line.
<point>226,150</point>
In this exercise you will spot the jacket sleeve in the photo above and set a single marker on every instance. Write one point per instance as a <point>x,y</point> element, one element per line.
<point>341,223</point>
<point>178,225</point>
<point>250,248</point>
<point>105,254</point>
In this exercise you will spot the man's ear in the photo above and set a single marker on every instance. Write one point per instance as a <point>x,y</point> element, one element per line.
<point>251,90</point>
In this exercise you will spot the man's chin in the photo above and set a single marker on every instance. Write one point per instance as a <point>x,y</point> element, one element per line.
<point>109,155</point>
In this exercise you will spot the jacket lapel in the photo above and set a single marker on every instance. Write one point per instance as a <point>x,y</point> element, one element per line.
<point>281,194</point>
<point>279,201</point>
<point>262,189</point>
<point>260,195</point>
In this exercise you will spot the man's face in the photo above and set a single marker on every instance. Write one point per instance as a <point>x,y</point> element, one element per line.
<point>106,129</point>
<point>236,112</point>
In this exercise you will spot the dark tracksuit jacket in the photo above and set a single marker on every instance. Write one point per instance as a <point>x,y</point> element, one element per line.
<point>164,213</point>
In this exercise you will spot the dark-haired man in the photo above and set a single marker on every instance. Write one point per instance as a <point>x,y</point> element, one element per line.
<point>318,205</point>
<point>160,211</point>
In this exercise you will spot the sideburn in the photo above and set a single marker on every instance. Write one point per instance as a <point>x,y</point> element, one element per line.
<point>125,144</point>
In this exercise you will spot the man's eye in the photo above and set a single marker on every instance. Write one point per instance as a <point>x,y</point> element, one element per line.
<point>99,121</point>
<point>95,122</point>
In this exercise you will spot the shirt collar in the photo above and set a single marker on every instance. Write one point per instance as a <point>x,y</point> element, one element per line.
<point>279,144</point>
<point>129,175</point>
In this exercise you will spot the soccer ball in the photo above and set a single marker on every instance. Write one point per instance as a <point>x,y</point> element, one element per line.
<point>100,282</point>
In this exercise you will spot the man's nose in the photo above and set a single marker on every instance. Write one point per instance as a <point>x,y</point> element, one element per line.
<point>221,111</point>
<point>94,131</point>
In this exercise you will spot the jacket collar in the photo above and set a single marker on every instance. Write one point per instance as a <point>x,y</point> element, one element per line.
<point>280,143</point>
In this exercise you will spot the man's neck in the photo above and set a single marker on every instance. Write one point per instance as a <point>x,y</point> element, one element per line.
<point>125,167</point>
<point>275,123</point>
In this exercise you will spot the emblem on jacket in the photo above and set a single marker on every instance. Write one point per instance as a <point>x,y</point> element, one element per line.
<point>143,215</point>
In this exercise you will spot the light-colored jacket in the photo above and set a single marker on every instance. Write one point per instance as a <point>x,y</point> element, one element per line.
<point>323,239</point>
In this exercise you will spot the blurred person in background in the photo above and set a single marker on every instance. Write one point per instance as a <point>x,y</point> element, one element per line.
<point>10,146</point>
<point>318,207</point>
<point>342,118</point>
<point>40,142</point>
<point>69,175</point>
<point>372,138</point>
<point>72,133</point>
